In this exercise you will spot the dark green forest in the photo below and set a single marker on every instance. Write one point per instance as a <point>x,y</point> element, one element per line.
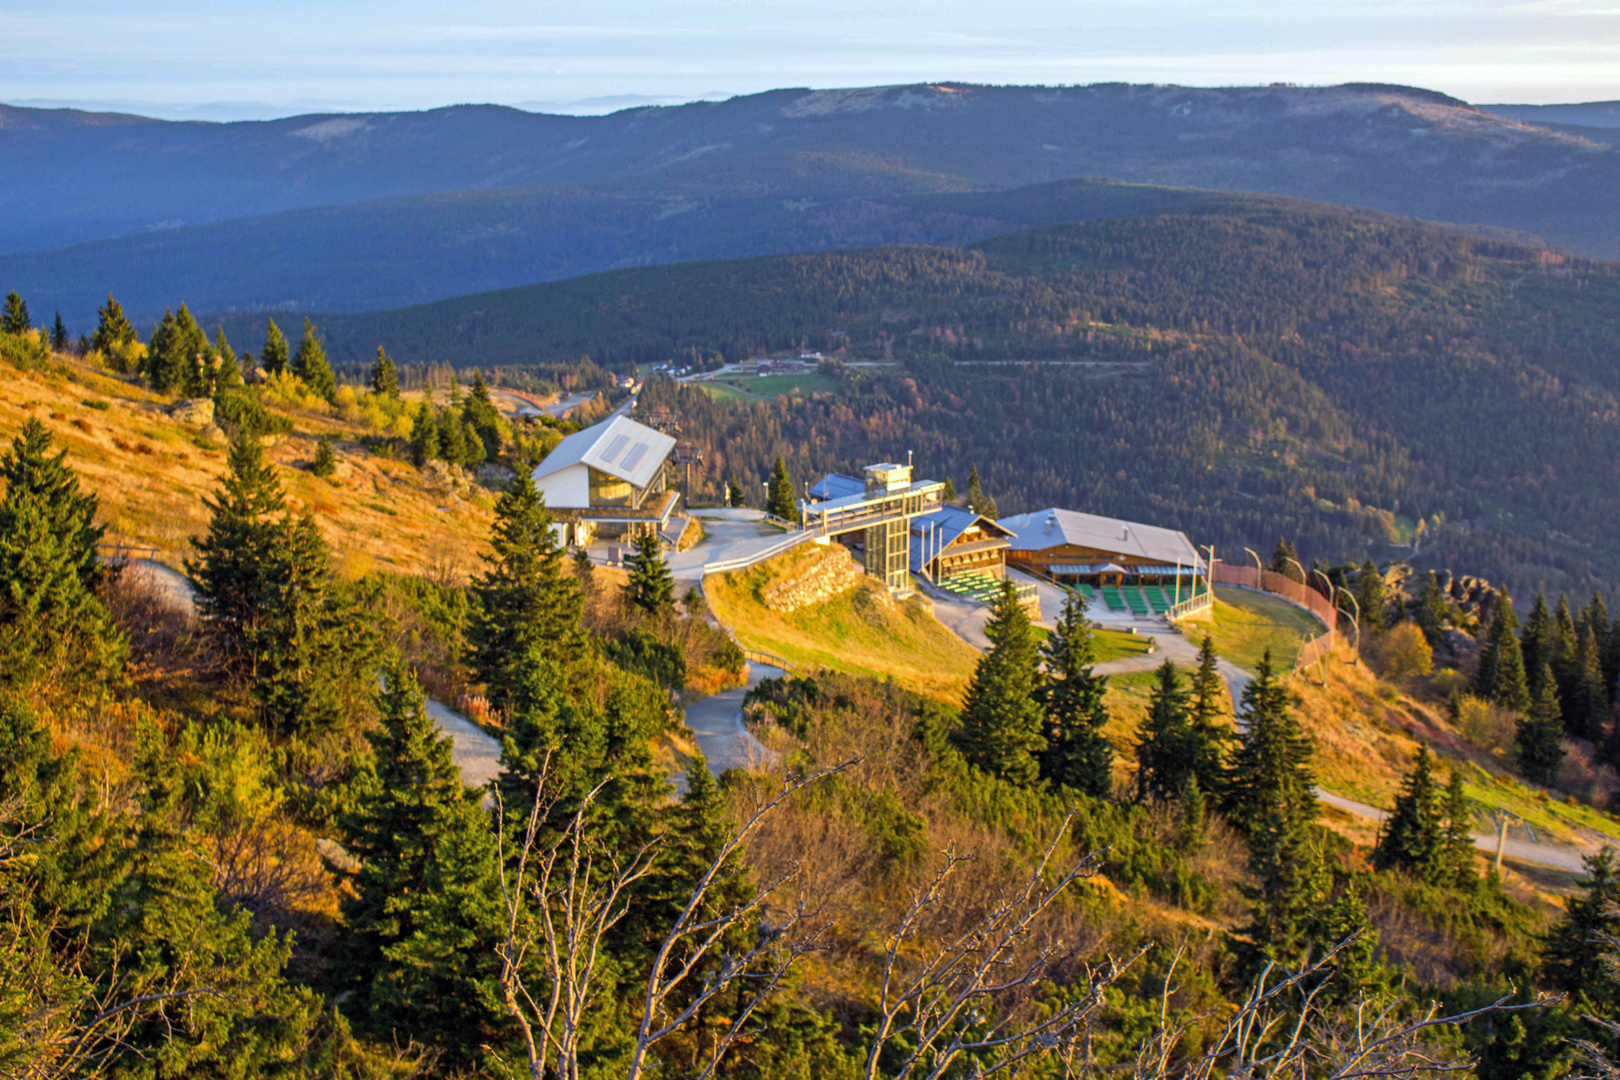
<point>1243,369</point>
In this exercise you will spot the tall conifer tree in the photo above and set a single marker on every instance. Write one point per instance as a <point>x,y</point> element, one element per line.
<point>1001,722</point>
<point>1536,641</point>
<point>384,376</point>
<point>59,334</point>
<point>1431,612</point>
<point>1539,738</point>
<point>311,366</point>
<point>1167,755</point>
<point>15,319</point>
<point>1501,676</point>
<point>1077,754</point>
<point>1414,837</point>
<point>1212,735</point>
<point>425,443</point>
<point>651,587</point>
<point>275,354</point>
<point>113,328</point>
<point>780,500</point>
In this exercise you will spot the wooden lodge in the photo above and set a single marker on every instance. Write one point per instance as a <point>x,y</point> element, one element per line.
<point>953,540</point>
<point>1070,547</point>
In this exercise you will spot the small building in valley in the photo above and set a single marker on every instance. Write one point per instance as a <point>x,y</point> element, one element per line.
<point>954,540</point>
<point>1073,548</point>
<point>609,481</point>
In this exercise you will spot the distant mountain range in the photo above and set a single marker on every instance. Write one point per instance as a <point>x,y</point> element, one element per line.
<point>367,211</point>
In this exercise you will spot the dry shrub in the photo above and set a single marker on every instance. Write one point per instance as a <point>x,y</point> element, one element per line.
<point>1434,954</point>
<point>160,627</point>
<point>1585,777</point>
<point>1402,654</point>
<point>1486,725</point>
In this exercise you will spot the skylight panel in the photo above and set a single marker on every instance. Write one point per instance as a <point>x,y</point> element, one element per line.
<point>615,448</point>
<point>635,456</point>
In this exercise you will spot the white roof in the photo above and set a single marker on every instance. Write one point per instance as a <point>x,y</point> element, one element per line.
<point>1050,528</point>
<point>619,447</point>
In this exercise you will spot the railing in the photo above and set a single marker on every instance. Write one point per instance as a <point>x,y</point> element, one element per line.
<point>743,562</point>
<point>115,552</point>
<point>757,656</point>
<point>1193,605</point>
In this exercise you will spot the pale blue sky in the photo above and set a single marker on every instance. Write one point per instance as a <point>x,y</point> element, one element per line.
<point>230,58</point>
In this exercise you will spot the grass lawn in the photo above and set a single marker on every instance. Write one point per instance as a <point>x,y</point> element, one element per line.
<point>724,391</point>
<point>1114,645</point>
<point>1245,624</point>
<point>861,632</point>
<point>802,385</point>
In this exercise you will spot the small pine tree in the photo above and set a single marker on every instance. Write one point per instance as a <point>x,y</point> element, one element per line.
<point>311,366</point>
<point>1564,651</point>
<point>113,328</point>
<point>781,502</point>
<point>1458,846</point>
<point>949,494</point>
<point>1077,754</point>
<point>274,356</point>
<point>1000,728</point>
<point>1535,641</point>
<point>735,496</point>
<point>1539,738</point>
<point>526,606</point>
<point>15,320</point>
<point>482,421</point>
<point>1166,753</point>
<point>975,491</point>
<point>423,914</point>
<point>1414,836</point>
<point>425,436</point>
<point>1575,957</point>
<point>651,587</point>
<point>452,437</point>
<point>1587,712</point>
<point>325,461</point>
<point>1501,675</point>
<point>1372,598</point>
<point>232,561</point>
<point>1431,613</point>
<point>1285,560</point>
<point>59,334</point>
<point>228,375</point>
<point>1212,735</point>
<point>384,376</point>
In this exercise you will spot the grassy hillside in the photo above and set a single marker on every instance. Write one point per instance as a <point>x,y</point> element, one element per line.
<point>861,632</point>
<point>152,471</point>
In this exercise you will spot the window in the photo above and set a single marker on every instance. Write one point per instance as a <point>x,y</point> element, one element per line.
<point>609,490</point>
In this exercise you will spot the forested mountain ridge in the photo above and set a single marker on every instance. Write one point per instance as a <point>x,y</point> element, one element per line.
<point>70,178</point>
<point>1259,367</point>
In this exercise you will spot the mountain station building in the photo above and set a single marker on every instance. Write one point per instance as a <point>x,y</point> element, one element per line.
<point>954,540</point>
<point>1073,548</point>
<point>608,481</point>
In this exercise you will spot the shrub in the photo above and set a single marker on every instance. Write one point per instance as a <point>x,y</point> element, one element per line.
<point>241,410</point>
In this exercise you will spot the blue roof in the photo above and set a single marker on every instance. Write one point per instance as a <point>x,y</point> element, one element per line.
<point>932,533</point>
<point>836,486</point>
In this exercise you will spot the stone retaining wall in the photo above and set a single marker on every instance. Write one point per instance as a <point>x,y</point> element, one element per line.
<point>833,574</point>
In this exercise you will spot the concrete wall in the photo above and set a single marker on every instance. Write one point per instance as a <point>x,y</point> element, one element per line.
<point>567,487</point>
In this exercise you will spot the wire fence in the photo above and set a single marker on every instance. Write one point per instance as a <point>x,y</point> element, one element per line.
<point>1316,649</point>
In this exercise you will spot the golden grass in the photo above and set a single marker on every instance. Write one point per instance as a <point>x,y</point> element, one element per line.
<point>861,632</point>
<point>151,473</point>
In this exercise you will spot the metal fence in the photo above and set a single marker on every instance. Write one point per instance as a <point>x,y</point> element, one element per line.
<point>1269,581</point>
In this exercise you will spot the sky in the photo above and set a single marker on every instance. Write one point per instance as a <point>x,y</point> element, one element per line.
<point>248,59</point>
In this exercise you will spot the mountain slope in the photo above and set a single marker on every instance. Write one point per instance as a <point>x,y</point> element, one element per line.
<point>1244,368</point>
<point>68,178</point>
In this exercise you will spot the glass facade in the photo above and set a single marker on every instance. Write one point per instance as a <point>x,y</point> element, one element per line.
<point>609,490</point>
<point>888,554</point>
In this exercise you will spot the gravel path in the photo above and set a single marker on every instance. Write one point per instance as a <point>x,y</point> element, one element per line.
<point>717,721</point>
<point>1555,855</point>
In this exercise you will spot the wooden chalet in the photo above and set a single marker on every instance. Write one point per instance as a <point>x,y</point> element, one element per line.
<point>1070,547</point>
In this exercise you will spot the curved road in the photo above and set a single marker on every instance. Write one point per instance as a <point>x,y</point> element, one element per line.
<point>717,721</point>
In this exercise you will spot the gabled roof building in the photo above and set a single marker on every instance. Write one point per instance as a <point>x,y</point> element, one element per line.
<point>1071,547</point>
<point>608,480</point>
<point>954,540</point>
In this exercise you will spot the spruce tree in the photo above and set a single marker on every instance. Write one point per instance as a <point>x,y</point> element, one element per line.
<point>482,419</point>
<point>273,357</point>
<point>228,375</point>
<point>312,368</point>
<point>1284,559</point>
<point>59,334</point>
<point>651,586</point>
<point>975,491</point>
<point>1575,957</point>
<point>1001,722</point>
<point>1167,752</point>
<point>1535,641</point>
<point>15,320</point>
<point>949,494</point>
<point>1587,712</point>
<point>324,463</point>
<point>1431,613</point>
<point>1501,676</point>
<point>1539,738</point>
<point>1563,654</point>
<point>780,501</point>
<point>526,605</point>
<point>425,436</point>
<point>1414,837</point>
<point>233,562</point>
<point>53,626</point>
<point>1271,800</point>
<point>1371,597</point>
<point>1070,692</point>
<point>164,364</point>
<point>423,913</point>
<point>1458,847</point>
<point>113,328</point>
<point>734,493</point>
<point>452,437</point>
<point>1212,735</point>
<point>384,376</point>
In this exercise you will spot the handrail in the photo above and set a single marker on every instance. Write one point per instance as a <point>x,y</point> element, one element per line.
<point>1194,604</point>
<point>743,562</point>
<point>757,656</point>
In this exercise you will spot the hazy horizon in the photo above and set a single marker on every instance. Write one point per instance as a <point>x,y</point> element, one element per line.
<point>192,59</point>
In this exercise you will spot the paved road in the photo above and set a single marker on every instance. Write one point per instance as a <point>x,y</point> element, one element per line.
<point>727,534</point>
<point>718,723</point>
<point>475,753</point>
<point>170,583</point>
